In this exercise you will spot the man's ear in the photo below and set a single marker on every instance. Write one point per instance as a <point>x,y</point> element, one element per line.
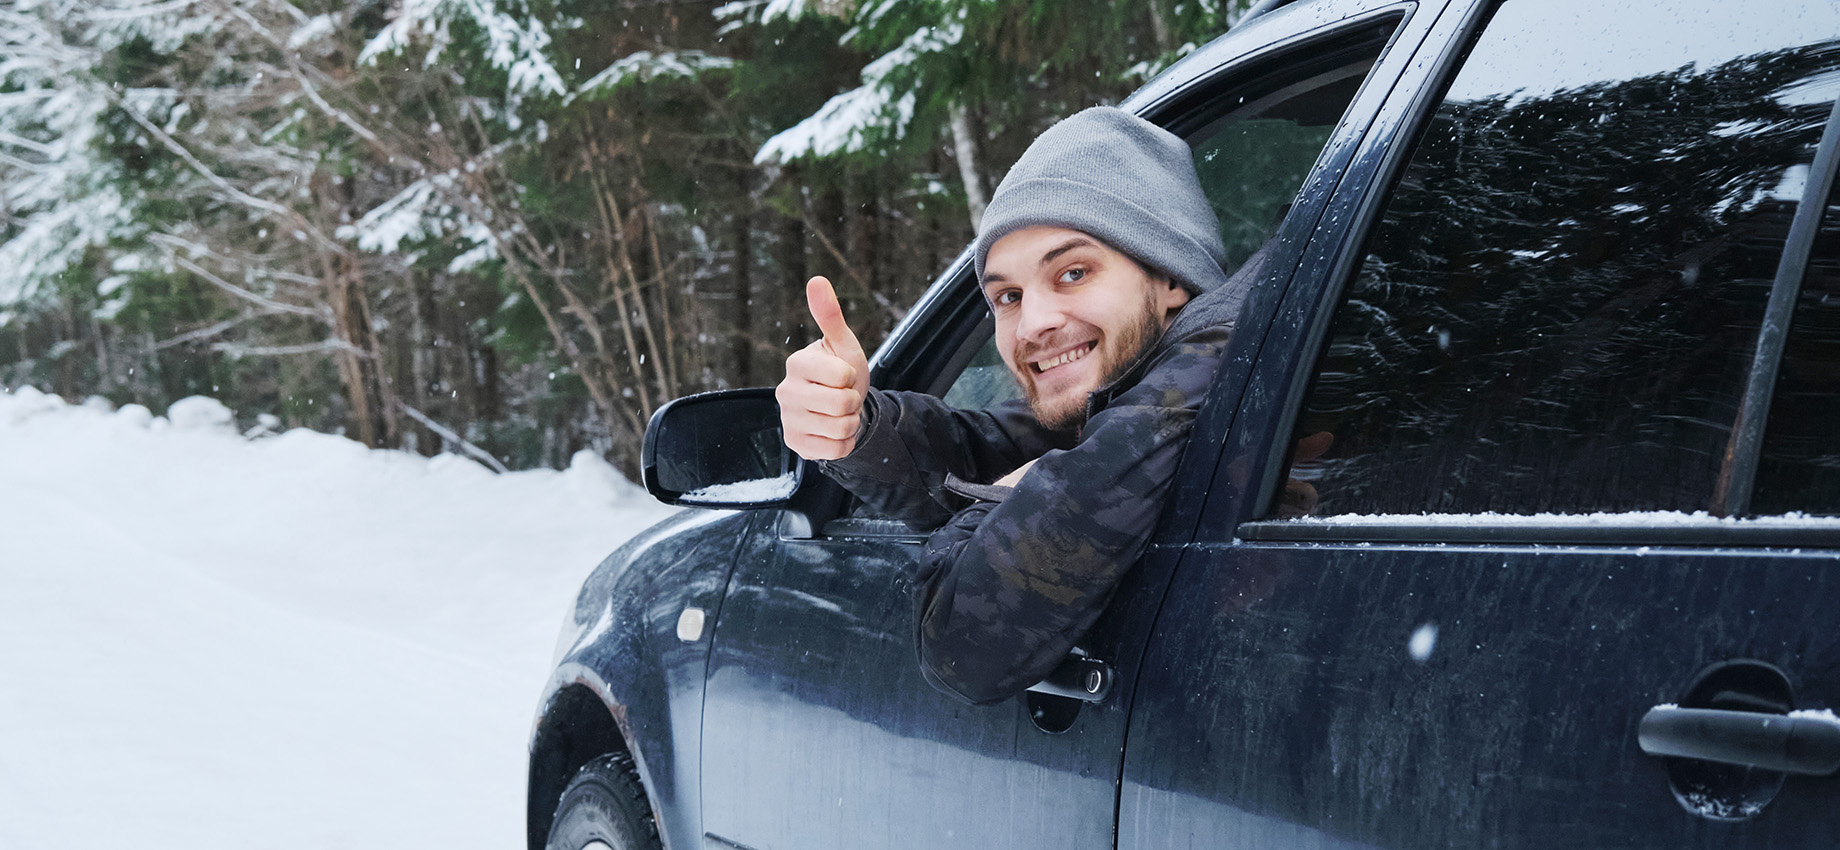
<point>1174,296</point>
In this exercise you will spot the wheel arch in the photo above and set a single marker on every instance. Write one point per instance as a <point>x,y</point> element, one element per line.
<point>579,723</point>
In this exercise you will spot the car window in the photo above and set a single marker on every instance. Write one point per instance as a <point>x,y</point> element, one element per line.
<point>1800,466</point>
<point>1253,160</point>
<point>985,381</point>
<point>1558,306</point>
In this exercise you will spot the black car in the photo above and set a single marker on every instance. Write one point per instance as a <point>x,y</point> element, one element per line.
<point>1562,281</point>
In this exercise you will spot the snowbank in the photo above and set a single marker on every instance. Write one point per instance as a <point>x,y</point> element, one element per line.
<point>285,642</point>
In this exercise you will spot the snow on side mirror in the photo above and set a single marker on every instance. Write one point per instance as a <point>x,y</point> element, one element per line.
<point>719,450</point>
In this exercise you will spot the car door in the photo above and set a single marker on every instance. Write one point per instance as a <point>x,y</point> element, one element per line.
<point>1574,343</point>
<point>818,728</point>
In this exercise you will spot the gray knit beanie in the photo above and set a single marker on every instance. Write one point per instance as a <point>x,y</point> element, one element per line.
<point>1120,178</point>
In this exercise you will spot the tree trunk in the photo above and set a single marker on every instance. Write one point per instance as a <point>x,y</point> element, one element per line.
<point>424,360</point>
<point>1159,26</point>
<point>741,313</point>
<point>965,147</point>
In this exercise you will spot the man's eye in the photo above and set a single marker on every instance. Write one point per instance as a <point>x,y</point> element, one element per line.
<point>1008,296</point>
<point>1074,275</point>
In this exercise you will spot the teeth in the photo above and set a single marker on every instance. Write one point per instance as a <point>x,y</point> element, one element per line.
<point>1069,357</point>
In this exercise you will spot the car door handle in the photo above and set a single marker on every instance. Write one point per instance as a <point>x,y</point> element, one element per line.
<point>1080,677</point>
<point>1804,743</point>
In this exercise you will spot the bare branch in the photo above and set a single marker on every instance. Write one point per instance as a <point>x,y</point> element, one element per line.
<point>471,450</point>
<point>893,310</point>
<point>217,180</point>
<point>321,347</point>
<point>255,298</point>
<point>206,332</point>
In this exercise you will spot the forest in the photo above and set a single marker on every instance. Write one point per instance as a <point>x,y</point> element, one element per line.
<point>510,228</point>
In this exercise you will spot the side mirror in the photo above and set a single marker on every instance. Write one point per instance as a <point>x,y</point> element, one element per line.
<point>719,450</point>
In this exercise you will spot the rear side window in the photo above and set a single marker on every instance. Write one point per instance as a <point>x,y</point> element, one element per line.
<point>1800,466</point>
<point>1559,305</point>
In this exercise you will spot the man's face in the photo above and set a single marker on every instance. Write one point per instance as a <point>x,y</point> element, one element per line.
<point>1072,313</point>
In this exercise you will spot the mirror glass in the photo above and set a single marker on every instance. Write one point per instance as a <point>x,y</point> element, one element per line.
<point>724,450</point>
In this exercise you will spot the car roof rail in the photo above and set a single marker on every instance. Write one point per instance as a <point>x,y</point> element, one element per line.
<point>1262,7</point>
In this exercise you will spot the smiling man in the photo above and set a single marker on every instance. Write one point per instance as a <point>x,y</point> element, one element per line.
<point>1100,260</point>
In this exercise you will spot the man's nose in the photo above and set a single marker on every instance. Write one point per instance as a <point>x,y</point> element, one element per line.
<point>1042,315</point>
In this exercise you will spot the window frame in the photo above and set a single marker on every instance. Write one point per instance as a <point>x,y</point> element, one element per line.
<point>942,330</point>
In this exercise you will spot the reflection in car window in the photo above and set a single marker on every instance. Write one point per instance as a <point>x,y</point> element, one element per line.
<point>1253,161</point>
<point>1558,308</point>
<point>1800,466</point>
<point>985,381</point>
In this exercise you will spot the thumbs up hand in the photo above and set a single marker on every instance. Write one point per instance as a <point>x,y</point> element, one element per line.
<point>821,399</point>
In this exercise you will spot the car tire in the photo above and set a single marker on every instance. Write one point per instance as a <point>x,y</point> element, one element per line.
<point>604,806</point>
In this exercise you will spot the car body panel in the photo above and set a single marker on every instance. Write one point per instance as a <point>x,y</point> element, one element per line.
<point>621,645</point>
<point>821,732</point>
<point>1285,676</point>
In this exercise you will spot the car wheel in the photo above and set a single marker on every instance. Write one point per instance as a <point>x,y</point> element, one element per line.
<point>604,808</point>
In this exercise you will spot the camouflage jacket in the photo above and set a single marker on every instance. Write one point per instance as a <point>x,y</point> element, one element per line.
<point>1017,575</point>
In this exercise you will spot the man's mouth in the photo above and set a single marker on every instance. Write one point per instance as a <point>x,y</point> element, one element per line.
<point>1064,357</point>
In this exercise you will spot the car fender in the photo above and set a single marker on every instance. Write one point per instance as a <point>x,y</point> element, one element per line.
<point>625,678</point>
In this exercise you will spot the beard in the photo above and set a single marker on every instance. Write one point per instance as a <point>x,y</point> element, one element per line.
<point>1116,353</point>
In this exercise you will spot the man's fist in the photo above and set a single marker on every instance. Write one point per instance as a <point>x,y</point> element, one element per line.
<point>821,399</point>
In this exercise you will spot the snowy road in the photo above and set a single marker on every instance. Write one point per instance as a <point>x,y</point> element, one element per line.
<point>283,643</point>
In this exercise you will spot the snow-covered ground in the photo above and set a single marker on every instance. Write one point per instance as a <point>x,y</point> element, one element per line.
<point>208,641</point>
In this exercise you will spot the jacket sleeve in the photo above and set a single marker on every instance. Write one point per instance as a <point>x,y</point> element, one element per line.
<point>911,442</point>
<point>1007,587</point>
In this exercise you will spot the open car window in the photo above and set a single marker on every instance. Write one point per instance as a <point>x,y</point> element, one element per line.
<point>1255,138</point>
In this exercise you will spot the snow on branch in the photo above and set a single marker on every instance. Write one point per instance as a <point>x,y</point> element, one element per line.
<point>850,121</point>
<point>767,11</point>
<point>165,24</point>
<point>419,212</point>
<point>645,66</point>
<point>513,45</point>
<point>55,240</point>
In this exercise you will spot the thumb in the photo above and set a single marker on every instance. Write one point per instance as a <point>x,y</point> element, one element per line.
<point>825,310</point>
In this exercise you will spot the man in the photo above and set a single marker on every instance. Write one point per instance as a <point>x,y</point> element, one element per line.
<point>1101,261</point>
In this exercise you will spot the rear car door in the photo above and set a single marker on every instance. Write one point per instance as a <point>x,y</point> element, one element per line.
<point>818,728</point>
<point>1575,343</point>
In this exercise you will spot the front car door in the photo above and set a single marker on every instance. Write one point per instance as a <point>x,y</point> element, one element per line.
<point>1575,341</point>
<point>818,728</point>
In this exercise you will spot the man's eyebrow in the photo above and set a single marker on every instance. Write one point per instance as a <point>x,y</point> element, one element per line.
<point>1070,244</point>
<point>1064,247</point>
